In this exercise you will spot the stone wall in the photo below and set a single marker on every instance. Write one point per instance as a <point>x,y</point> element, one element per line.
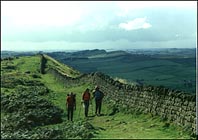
<point>69,81</point>
<point>43,63</point>
<point>173,105</point>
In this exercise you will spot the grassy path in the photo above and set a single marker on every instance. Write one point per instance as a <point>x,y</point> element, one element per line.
<point>134,126</point>
<point>58,96</point>
<point>116,126</point>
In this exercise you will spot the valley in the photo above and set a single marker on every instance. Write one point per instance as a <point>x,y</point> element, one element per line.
<point>171,68</point>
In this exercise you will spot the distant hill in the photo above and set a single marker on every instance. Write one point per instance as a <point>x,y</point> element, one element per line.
<point>173,68</point>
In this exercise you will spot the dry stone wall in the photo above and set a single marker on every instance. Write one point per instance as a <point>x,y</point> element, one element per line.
<point>173,105</point>
<point>43,63</point>
<point>69,81</point>
<point>178,107</point>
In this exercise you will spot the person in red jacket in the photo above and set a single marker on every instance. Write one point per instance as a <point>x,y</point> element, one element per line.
<point>86,98</point>
<point>70,105</point>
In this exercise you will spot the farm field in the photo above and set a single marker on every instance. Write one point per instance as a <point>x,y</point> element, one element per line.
<point>172,68</point>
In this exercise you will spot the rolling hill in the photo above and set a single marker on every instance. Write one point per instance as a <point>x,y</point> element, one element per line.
<point>33,106</point>
<point>172,68</point>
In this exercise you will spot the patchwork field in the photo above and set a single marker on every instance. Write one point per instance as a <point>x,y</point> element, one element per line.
<point>174,69</point>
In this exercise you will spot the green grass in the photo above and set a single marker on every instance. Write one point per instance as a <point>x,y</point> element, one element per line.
<point>28,63</point>
<point>136,127</point>
<point>59,92</point>
<point>117,126</point>
<point>62,68</point>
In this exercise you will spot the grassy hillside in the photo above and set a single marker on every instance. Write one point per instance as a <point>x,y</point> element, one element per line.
<point>64,69</point>
<point>25,110</point>
<point>33,106</point>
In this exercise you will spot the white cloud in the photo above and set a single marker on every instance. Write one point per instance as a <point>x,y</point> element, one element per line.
<point>41,13</point>
<point>87,21</point>
<point>117,44</point>
<point>128,7</point>
<point>145,4</point>
<point>138,23</point>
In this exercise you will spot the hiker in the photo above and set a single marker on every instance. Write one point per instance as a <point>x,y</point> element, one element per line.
<point>71,105</point>
<point>98,95</point>
<point>85,99</point>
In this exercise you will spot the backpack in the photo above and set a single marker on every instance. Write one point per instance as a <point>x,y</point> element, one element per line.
<point>86,96</point>
<point>71,100</point>
<point>98,95</point>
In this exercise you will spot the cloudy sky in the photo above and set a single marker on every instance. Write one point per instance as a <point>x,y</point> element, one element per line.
<point>73,25</point>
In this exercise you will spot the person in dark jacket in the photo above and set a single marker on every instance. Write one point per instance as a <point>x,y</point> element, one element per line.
<point>98,95</point>
<point>70,105</point>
